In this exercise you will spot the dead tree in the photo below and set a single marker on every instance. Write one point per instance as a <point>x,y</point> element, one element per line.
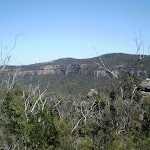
<point>7,78</point>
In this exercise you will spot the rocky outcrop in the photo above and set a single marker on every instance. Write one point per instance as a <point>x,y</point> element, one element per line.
<point>76,68</point>
<point>144,87</point>
<point>83,69</point>
<point>49,69</point>
<point>100,73</point>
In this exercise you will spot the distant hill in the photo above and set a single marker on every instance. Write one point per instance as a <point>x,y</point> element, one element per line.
<point>78,76</point>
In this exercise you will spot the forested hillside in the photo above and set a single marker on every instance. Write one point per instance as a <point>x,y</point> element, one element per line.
<point>50,105</point>
<point>77,76</point>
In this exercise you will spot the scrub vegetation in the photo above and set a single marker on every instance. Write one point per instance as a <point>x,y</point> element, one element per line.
<point>114,115</point>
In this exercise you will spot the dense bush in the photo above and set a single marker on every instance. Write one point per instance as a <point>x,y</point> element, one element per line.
<point>103,121</point>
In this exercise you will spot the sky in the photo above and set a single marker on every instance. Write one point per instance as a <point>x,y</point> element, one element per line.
<point>53,29</point>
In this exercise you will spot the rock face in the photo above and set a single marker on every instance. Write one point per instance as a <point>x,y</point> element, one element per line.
<point>49,69</point>
<point>100,73</point>
<point>76,68</point>
<point>81,69</point>
<point>144,87</point>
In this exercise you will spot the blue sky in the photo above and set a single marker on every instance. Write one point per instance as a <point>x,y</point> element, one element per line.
<point>55,29</point>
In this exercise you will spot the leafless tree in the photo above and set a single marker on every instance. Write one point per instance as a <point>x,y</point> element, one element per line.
<point>125,114</point>
<point>5,56</point>
<point>34,98</point>
<point>7,78</point>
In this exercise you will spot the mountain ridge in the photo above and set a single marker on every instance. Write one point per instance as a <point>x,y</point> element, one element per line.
<point>111,61</point>
<point>69,75</point>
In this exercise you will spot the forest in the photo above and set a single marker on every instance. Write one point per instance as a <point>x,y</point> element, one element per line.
<point>115,116</point>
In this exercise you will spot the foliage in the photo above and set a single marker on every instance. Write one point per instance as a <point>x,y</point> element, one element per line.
<point>102,121</point>
<point>41,130</point>
<point>12,115</point>
<point>18,132</point>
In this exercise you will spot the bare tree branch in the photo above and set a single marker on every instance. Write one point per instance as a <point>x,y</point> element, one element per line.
<point>4,61</point>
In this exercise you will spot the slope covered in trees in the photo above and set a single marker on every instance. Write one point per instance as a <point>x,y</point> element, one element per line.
<point>30,120</point>
<point>115,116</point>
<point>78,76</point>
